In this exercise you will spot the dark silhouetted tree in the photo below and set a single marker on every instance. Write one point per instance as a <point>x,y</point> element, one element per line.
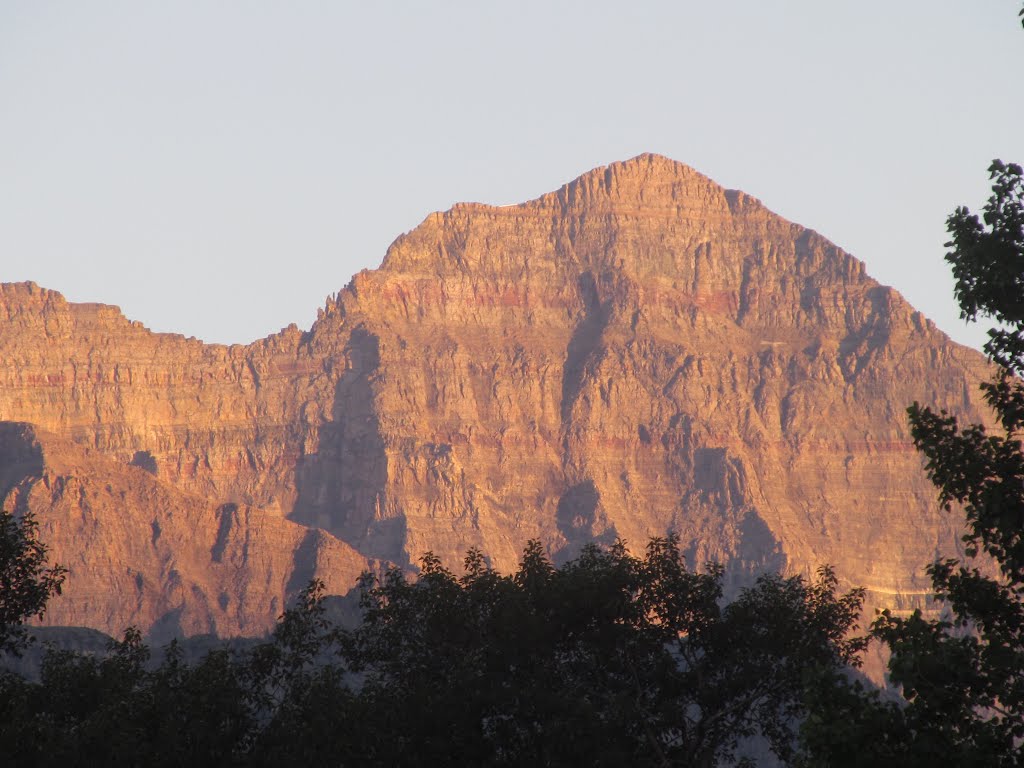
<point>609,660</point>
<point>26,583</point>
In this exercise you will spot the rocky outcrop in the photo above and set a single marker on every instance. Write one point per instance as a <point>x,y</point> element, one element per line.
<point>140,552</point>
<point>639,352</point>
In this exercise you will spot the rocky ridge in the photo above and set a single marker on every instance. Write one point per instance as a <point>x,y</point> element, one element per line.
<point>638,352</point>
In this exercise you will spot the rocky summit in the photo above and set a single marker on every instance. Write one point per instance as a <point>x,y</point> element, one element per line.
<point>639,352</point>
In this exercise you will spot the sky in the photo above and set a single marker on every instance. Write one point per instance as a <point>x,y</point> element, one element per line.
<point>218,168</point>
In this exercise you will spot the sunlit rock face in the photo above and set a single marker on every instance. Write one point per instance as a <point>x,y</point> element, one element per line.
<point>639,352</point>
<point>144,553</point>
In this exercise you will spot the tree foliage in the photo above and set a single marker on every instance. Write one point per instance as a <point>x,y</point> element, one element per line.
<point>610,659</point>
<point>26,583</point>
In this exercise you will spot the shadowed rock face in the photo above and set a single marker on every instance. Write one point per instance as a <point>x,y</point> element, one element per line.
<point>639,352</point>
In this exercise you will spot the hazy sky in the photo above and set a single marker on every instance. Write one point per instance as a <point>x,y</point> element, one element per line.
<point>218,168</point>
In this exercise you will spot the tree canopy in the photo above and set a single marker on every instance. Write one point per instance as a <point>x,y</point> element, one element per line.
<point>610,659</point>
<point>26,583</point>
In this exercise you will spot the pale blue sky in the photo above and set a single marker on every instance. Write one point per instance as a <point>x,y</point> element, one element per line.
<point>218,168</point>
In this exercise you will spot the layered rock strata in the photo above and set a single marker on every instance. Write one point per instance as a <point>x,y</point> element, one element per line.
<point>143,553</point>
<point>641,351</point>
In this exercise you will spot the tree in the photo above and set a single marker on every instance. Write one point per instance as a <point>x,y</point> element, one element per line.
<point>979,692</point>
<point>610,659</point>
<point>962,677</point>
<point>228,708</point>
<point>26,584</point>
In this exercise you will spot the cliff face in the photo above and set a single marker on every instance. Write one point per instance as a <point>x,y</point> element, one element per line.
<point>140,552</point>
<point>638,352</point>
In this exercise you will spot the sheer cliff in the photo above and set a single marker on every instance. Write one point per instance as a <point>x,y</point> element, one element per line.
<point>641,351</point>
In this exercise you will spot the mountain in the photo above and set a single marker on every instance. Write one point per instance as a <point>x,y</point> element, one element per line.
<point>641,351</point>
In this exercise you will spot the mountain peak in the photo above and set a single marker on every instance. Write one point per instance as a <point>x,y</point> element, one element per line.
<point>647,188</point>
<point>649,181</point>
<point>648,166</point>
